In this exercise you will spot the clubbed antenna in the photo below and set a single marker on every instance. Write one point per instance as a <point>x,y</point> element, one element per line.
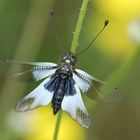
<point>94,39</point>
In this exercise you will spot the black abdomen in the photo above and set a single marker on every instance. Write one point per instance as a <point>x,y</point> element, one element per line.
<point>59,94</point>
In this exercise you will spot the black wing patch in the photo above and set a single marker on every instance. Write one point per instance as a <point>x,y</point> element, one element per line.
<point>69,87</point>
<point>54,82</point>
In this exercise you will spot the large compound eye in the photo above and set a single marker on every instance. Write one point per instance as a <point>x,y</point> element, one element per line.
<point>72,62</point>
<point>63,59</point>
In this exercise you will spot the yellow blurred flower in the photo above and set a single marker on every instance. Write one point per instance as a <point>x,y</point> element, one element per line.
<point>120,12</point>
<point>43,122</point>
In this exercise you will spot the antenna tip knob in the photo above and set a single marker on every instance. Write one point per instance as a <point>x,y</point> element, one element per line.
<point>106,22</point>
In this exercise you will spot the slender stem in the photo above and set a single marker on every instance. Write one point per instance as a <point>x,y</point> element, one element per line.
<point>79,26</point>
<point>73,50</point>
<point>57,126</point>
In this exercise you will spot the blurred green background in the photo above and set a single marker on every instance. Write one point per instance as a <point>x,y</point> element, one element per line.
<point>26,33</point>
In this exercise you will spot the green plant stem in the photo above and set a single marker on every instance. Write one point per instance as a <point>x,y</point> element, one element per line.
<point>57,126</point>
<point>79,26</point>
<point>73,50</point>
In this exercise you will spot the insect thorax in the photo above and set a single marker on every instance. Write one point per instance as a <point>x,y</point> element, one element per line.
<point>65,69</point>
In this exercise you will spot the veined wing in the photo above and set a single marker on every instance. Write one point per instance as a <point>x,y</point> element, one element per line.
<point>27,71</point>
<point>38,97</point>
<point>102,90</point>
<point>75,107</point>
<point>83,80</point>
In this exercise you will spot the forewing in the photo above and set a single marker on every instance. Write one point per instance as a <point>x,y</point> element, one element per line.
<point>38,97</point>
<point>75,107</point>
<point>83,80</point>
<point>101,90</point>
<point>27,71</point>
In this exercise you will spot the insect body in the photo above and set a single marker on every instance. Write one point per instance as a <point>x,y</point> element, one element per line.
<point>62,83</point>
<point>62,86</point>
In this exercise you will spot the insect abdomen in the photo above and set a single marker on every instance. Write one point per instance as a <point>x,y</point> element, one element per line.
<point>58,96</point>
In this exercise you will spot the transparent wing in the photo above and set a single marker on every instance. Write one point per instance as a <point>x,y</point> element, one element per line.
<point>75,107</point>
<point>38,97</point>
<point>27,71</point>
<point>100,89</point>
